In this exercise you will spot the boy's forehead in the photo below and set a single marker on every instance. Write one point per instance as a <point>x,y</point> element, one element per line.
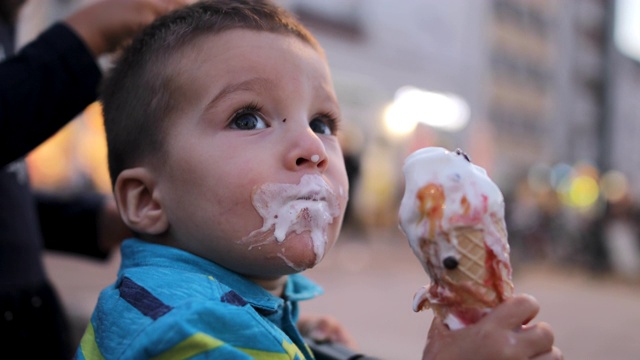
<point>217,66</point>
<point>240,52</point>
<point>248,39</point>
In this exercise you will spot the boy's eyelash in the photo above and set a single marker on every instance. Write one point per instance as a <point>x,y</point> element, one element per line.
<point>332,120</point>
<point>249,108</point>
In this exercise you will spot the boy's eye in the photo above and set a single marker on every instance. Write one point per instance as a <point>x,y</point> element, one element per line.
<point>324,125</point>
<point>247,121</point>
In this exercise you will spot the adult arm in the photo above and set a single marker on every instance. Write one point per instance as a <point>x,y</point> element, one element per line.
<point>55,77</point>
<point>45,85</point>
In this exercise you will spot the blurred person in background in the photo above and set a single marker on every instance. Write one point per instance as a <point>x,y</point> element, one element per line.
<point>619,236</point>
<point>42,87</point>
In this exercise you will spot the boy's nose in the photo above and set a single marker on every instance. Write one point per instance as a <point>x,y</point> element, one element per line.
<point>307,151</point>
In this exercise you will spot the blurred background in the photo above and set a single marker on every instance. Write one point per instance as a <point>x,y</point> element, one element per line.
<point>541,93</point>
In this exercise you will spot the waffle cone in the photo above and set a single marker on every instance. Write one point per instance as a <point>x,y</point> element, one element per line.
<point>483,279</point>
<point>480,281</point>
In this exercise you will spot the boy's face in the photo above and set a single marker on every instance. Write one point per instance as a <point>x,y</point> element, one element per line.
<point>254,177</point>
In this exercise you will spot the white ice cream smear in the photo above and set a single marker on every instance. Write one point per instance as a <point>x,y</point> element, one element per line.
<point>315,158</point>
<point>309,205</point>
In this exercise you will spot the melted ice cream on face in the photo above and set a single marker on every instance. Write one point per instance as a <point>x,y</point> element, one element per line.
<point>472,198</point>
<point>309,205</point>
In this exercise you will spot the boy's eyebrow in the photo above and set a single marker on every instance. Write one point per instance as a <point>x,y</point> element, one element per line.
<point>253,84</point>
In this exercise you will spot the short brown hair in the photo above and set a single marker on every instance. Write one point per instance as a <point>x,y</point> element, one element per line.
<point>141,90</point>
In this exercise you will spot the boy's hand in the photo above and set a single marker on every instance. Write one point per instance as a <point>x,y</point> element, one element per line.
<point>501,334</point>
<point>323,328</point>
<point>107,24</point>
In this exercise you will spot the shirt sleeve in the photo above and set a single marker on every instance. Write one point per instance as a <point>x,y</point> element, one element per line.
<point>44,86</point>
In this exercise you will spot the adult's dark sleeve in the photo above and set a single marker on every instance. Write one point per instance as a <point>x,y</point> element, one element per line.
<point>44,86</point>
<point>70,223</point>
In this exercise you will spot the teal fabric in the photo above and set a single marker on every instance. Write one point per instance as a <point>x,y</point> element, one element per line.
<point>167,303</point>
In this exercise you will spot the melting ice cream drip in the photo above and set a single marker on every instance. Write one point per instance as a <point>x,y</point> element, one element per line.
<point>307,206</point>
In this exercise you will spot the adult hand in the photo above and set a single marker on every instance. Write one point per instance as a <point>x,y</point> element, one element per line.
<point>107,24</point>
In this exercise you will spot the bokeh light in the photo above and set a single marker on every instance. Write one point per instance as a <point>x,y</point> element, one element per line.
<point>398,121</point>
<point>412,105</point>
<point>614,186</point>
<point>583,191</point>
<point>559,174</point>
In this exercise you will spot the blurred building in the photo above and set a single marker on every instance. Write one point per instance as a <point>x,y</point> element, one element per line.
<point>520,85</point>
<point>623,89</point>
<point>542,79</point>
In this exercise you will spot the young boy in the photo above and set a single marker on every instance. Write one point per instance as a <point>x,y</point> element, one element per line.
<point>221,122</point>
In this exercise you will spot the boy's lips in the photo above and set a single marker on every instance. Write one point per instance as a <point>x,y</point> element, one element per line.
<point>312,197</point>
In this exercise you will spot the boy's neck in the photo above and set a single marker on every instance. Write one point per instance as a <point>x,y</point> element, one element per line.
<point>274,286</point>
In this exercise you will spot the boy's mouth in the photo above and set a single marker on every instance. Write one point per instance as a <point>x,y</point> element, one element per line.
<point>310,205</point>
<point>312,197</point>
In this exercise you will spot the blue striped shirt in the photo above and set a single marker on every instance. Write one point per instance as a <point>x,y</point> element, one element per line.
<point>170,304</point>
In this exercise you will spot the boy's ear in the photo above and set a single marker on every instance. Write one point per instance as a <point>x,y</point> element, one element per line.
<point>138,202</point>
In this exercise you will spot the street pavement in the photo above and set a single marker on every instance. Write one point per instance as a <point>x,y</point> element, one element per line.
<point>370,277</point>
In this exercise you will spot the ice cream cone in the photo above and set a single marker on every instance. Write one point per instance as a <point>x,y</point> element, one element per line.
<point>453,216</point>
<point>479,281</point>
<point>487,281</point>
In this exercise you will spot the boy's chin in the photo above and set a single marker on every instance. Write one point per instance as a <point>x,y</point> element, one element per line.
<point>298,252</point>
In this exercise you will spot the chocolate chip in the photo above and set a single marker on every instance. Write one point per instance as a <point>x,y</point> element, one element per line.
<point>460,152</point>
<point>450,262</point>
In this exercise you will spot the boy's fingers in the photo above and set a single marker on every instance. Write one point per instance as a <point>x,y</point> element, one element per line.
<point>557,354</point>
<point>537,339</point>
<point>516,311</point>
<point>554,354</point>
